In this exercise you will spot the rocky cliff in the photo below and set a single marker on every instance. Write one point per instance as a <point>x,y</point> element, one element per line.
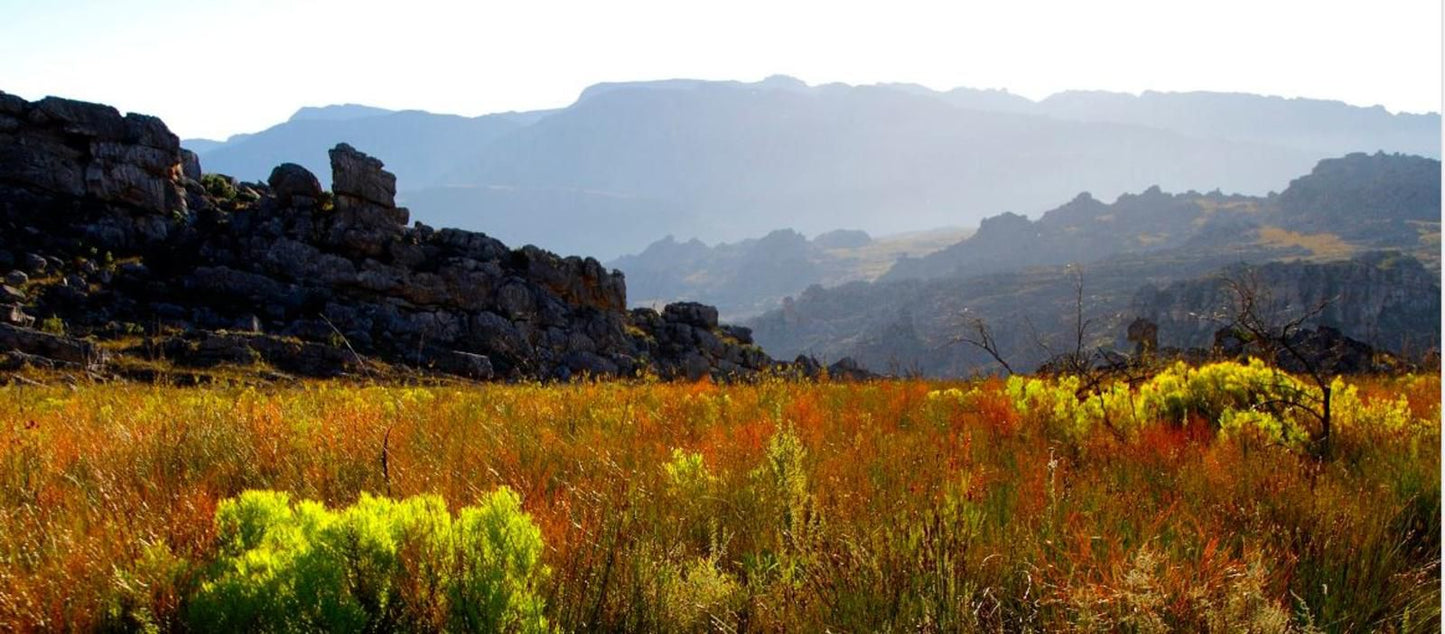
<point>1386,300</point>
<point>110,233</point>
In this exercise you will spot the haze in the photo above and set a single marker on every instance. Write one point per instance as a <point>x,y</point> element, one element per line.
<point>217,68</point>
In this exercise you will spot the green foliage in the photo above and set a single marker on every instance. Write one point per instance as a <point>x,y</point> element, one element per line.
<point>687,475</point>
<point>218,186</point>
<point>695,596</point>
<point>53,325</point>
<point>379,565</point>
<point>781,485</point>
<point>1235,398</point>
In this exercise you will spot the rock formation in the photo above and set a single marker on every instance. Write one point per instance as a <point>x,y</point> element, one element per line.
<point>108,231</point>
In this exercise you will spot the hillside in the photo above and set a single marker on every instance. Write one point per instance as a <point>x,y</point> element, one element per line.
<point>630,162</point>
<point>1343,205</point>
<point>1388,300</point>
<point>420,147</point>
<point>749,277</point>
<point>1014,272</point>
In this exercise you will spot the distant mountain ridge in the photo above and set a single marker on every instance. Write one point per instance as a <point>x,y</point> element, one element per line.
<point>1152,254</point>
<point>631,161</point>
<point>1371,201</point>
<point>745,278</point>
<point>341,112</point>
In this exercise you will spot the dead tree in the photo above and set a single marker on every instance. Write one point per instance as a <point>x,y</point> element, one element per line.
<point>980,335</point>
<point>1254,317</point>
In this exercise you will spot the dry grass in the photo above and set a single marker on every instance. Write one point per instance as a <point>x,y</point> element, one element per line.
<point>903,505</point>
<point>869,262</point>
<point>1322,246</point>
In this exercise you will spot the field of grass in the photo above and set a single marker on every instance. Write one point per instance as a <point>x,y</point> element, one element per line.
<point>1184,504</point>
<point>871,261</point>
<point>1322,246</point>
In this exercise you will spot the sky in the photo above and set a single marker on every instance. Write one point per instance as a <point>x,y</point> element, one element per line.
<point>211,68</point>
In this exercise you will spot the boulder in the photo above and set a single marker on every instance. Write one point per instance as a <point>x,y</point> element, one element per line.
<point>848,369</point>
<point>357,175</point>
<point>51,346</point>
<point>35,263</point>
<point>740,334</point>
<point>290,181</point>
<point>692,314</point>
<point>79,118</point>
<point>465,364</point>
<point>15,315</point>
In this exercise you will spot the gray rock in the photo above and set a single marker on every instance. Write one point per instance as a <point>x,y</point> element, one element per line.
<point>191,165</point>
<point>80,118</point>
<point>740,334</point>
<point>51,346</point>
<point>134,269</point>
<point>695,366</point>
<point>228,282</point>
<point>515,301</point>
<point>590,364</point>
<point>1144,334</point>
<point>465,364</point>
<point>848,369</point>
<point>490,331</point>
<point>459,301</point>
<point>10,294</point>
<point>692,314</point>
<point>15,315</point>
<point>360,176</point>
<point>35,263</point>
<point>288,181</point>
<point>148,131</point>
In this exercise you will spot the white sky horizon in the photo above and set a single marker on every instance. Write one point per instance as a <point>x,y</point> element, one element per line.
<point>218,68</point>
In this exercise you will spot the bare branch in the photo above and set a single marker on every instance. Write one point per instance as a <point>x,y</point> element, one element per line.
<point>980,335</point>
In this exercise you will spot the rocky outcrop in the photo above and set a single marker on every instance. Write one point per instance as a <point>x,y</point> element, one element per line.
<point>50,347</point>
<point>1386,300</point>
<point>130,243</point>
<point>62,151</point>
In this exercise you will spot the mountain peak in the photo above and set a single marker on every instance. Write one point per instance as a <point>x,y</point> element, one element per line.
<point>783,81</point>
<point>338,112</point>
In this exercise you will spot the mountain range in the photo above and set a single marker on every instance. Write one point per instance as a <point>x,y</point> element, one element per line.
<point>1360,233</point>
<point>745,278</point>
<point>628,163</point>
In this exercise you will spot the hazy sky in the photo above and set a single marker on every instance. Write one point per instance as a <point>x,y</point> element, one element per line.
<point>215,67</point>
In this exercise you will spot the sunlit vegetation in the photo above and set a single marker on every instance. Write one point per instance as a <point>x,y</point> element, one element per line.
<point>1322,246</point>
<point>1184,502</point>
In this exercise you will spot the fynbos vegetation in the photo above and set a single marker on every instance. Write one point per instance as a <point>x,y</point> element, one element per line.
<point>1186,502</point>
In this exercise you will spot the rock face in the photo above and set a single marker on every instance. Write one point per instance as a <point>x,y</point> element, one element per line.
<point>112,208</point>
<point>1384,299</point>
<point>126,170</point>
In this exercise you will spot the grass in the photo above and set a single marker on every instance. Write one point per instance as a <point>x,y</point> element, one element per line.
<point>871,261</point>
<point>777,506</point>
<point>1322,246</point>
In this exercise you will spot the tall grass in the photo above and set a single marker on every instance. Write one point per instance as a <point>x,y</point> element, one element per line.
<point>891,506</point>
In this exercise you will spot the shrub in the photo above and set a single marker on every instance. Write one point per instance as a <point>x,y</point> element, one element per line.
<point>1233,397</point>
<point>379,565</point>
<point>219,186</point>
<point>53,325</point>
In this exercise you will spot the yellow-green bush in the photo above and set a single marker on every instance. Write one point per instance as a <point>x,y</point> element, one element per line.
<point>1231,396</point>
<point>378,565</point>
